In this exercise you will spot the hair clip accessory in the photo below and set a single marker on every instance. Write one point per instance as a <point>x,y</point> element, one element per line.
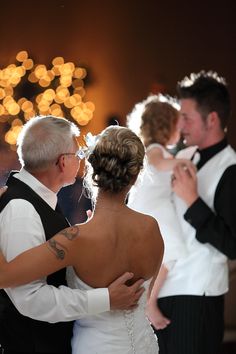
<point>90,141</point>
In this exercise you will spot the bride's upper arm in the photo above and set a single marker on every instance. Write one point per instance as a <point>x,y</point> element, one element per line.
<point>40,261</point>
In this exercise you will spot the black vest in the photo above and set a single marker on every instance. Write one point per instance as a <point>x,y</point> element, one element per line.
<point>20,333</point>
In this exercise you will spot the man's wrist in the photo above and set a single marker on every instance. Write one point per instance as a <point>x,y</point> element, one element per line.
<point>198,213</point>
<point>191,199</point>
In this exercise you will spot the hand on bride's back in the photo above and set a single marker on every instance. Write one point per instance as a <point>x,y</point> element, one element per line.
<point>123,297</point>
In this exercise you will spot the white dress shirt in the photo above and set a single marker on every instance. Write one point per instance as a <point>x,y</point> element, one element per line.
<point>20,229</point>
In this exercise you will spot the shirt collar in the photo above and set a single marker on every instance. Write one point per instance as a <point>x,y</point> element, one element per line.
<point>207,153</point>
<point>46,194</point>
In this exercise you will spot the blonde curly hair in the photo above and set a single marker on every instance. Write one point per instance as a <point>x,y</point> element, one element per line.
<point>154,119</point>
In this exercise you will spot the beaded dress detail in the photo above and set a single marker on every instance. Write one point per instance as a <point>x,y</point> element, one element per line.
<point>113,332</point>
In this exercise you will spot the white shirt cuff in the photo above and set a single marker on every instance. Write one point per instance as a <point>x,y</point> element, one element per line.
<point>98,301</point>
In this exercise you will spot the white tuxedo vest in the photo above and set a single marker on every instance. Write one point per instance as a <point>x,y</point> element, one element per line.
<point>204,270</point>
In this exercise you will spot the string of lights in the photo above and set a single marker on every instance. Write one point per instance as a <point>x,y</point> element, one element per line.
<point>28,89</point>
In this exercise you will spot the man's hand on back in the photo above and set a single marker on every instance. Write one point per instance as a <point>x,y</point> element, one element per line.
<point>123,297</point>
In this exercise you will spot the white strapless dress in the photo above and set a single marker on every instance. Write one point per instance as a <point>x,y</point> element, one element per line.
<point>113,332</point>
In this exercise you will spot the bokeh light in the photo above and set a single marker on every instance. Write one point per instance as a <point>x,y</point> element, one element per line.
<point>58,90</point>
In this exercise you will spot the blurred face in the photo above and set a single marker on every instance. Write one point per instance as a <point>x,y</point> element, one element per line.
<point>194,129</point>
<point>72,165</point>
<point>175,135</point>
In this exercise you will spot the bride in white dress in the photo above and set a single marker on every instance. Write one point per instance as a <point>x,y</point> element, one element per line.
<point>113,332</point>
<point>115,239</point>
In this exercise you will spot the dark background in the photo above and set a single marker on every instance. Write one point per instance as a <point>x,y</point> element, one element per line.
<point>130,48</point>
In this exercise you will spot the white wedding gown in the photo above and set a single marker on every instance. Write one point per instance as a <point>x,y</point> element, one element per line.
<point>113,332</point>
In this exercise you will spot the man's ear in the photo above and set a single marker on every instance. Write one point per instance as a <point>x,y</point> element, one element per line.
<point>61,162</point>
<point>213,119</point>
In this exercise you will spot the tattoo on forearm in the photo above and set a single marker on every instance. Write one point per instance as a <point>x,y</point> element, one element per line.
<point>56,247</point>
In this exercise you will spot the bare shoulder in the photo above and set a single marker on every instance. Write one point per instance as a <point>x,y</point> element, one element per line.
<point>70,233</point>
<point>64,239</point>
<point>152,243</point>
<point>151,221</point>
<point>145,222</point>
<point>151,229</point>
<point>152,224</point>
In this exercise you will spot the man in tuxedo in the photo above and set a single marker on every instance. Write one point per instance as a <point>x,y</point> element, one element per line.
<point>37,317</point>
<point>192,296</point>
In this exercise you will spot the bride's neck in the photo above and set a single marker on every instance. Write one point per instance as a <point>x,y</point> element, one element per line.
<point>110,201</point>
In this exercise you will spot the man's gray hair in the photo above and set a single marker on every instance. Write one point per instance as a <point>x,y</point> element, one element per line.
<point>43,139</point>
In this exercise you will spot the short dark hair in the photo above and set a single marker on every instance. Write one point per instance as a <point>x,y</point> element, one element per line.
<point>210,92</point>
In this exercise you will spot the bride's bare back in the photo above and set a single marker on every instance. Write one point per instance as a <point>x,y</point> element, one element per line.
<point>117,241</point>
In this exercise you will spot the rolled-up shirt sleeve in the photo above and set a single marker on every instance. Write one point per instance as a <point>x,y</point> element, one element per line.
<point>21,229</point>
<point>217,227</point>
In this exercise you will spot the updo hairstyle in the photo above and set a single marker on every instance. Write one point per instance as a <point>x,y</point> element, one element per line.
<point>116,159</point>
